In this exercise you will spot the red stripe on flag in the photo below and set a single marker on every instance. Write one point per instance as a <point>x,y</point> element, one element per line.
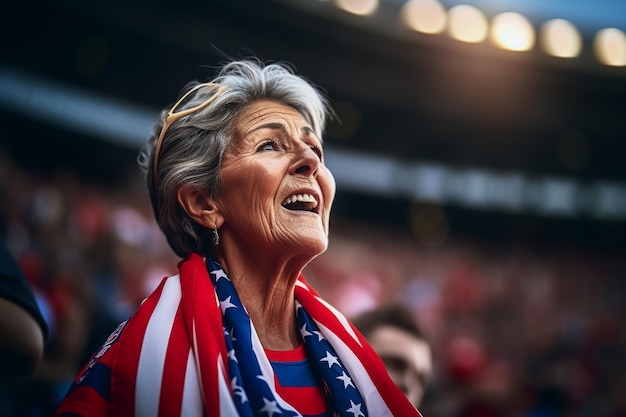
<point>123,382</point>
<point>396,401</point>
<point>176,357</point>
<point>201,310</point>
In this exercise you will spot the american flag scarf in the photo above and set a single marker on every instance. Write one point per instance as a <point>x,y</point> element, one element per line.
<point>193,343</point>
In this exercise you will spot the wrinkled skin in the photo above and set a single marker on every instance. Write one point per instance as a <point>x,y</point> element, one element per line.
<point>264,242</point>
<point>273,154</point>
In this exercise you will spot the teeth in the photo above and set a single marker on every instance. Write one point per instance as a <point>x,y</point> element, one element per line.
<point>300,198</point>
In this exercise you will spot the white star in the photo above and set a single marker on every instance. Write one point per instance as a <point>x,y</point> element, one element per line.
<point>330,359</point>
<point>270,407</point>
<point>347,381</point>
<point>238,390</point>
<point>304,332</point>
<point>226,304</point>
<point>231,355</point>
<point>319,335</point>
<point>220,274</point>
<point>355,409</point>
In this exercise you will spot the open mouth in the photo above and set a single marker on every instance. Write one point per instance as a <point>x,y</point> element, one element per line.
<point>301,202</point>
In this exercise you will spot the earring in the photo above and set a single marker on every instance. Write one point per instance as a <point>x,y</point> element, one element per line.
<point>216,237</point>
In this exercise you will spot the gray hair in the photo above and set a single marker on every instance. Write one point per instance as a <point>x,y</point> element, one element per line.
<point>193,146</point>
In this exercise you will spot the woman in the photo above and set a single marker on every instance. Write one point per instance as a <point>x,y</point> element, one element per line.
<point>238,184</point>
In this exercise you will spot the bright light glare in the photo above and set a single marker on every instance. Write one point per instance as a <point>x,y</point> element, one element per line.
<point>610,47</point>
<point>358,7</point>
<point>467,23</point>
<point>426,16</point>
<point>561,38</point>
<point>512,31</point>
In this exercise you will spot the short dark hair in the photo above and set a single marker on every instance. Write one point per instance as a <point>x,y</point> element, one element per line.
<point>394,315</point>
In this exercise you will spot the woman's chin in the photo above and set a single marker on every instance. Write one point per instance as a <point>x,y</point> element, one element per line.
<point>309,246</point>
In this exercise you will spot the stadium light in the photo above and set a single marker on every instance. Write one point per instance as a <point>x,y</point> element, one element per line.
<point>358,7</point>
<point>426,16</point>
<point>560,38</point>
<point>610,47</point>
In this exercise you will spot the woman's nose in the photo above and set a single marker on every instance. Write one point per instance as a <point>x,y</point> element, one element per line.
<point>306,161</point>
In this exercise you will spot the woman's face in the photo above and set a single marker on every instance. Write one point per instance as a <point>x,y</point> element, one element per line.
<point>276,192</point>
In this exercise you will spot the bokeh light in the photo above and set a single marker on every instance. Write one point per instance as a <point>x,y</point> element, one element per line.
<point>560,38</point>
<point>426,16</point>
<point>467,23</point>
<point>610,47</point>
<point>358,7</point>
<point>513,32</point>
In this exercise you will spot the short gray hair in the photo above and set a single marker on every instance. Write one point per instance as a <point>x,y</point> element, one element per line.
<point>193,146</point>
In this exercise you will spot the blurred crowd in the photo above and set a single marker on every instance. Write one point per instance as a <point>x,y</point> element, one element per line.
<point>516,330</point>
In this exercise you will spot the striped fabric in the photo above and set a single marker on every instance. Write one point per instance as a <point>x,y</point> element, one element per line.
<point>298,383</point>
<point>171,359</point>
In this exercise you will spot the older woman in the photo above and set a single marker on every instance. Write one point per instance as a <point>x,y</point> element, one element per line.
<point>238,184</point>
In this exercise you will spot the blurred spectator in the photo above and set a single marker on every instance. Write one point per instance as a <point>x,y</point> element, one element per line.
<point>395,335</point>
<point>22,326</point>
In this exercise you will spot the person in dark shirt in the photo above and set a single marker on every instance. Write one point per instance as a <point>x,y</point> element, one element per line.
<point>23,329</point>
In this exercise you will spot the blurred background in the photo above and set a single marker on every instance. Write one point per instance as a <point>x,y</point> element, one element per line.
<point>478,154</point>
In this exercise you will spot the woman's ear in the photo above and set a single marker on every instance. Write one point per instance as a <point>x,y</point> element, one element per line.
<point>199,206</point>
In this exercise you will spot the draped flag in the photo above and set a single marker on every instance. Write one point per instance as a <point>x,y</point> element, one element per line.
<point>192,350</point>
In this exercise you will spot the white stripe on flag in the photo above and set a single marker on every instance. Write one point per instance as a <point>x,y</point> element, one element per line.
<point>267,370</point>
<point>342,319</point>
<point>375,404</point>
<point>261,358</point>
<point>227,406</point>
<point>192,397</point>
<point>154,348</point>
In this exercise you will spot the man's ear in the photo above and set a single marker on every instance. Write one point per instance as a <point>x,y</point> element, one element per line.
<point>199,206</point>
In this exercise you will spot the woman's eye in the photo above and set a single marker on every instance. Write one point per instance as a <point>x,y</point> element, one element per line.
<point>269,145</point>
<point>318,151</point>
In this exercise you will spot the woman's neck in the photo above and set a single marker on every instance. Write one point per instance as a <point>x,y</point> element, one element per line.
<point>267,292</point>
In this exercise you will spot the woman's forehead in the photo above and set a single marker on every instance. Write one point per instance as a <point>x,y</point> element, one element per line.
<point>269,114</point>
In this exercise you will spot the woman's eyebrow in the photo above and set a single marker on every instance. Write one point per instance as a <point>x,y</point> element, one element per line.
<point>272,125</point>
<point>306,130</point>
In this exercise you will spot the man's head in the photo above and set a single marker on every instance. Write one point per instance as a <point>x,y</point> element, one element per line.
<point>396,337</point>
